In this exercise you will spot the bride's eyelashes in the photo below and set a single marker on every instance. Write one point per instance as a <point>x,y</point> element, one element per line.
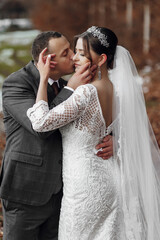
<point>80,54</point>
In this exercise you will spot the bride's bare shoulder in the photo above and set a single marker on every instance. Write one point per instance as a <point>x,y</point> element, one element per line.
<point>87,87</point>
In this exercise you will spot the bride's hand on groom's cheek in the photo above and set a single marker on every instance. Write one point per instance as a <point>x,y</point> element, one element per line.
<point>82,76</point>
<point>45,63</point>
<point>52,62</point>
<point>105,148</point>
<point>43,57</point>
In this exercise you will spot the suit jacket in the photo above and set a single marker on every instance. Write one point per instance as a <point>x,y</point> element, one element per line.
<point>31,168</point>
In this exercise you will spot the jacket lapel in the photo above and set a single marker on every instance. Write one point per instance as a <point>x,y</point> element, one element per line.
<point>33,72</point>
<point>62,83</point>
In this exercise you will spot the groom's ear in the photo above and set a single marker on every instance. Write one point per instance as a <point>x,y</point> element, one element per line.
<point>102,59</point>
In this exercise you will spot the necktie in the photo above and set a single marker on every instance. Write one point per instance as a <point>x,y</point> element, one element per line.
<point>55,87</point>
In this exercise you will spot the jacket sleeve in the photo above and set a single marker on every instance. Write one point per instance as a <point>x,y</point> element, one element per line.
<point>18,95</point>
<point>62,96</point>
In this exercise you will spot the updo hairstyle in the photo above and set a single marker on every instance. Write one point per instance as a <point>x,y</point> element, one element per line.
<point>92,42</point>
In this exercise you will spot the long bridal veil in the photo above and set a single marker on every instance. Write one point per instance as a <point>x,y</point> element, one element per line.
<point>137,151</point>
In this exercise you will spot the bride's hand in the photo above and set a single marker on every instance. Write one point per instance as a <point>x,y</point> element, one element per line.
<point>45,64</point>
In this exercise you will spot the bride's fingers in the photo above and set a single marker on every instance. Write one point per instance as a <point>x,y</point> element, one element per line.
<point>48,60</point>
<point>90,72</point>
<point>53,62</point>
<point>83,68</point>
<point>52,66</point>
<point>41,55</point>
<point>44,59</point>
<point>43,51</point>
<point>53,55</point>
<point>93,69</point>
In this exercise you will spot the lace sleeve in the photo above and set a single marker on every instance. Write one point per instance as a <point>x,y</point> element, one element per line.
<point>43,119</point>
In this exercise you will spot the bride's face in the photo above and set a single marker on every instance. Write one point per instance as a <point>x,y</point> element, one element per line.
<point>79,58</point>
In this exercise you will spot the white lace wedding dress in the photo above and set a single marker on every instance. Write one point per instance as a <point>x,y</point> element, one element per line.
<point>91,205</point>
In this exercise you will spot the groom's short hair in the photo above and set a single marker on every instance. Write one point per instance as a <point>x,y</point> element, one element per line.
<point>41,42</point>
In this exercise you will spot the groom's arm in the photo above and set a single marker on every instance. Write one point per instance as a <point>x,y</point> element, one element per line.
<point>62,96</point>
<point>18,96</point>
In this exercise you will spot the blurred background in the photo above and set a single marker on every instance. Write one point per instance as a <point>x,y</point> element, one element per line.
<point>135,22</point>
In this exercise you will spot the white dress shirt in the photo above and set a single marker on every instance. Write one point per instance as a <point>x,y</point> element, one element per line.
<point>51,81</point>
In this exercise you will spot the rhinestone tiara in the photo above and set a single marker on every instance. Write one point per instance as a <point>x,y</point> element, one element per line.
<point>97,33</point>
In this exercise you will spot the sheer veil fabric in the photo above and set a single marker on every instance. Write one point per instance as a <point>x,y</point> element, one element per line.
<point>137,151</point>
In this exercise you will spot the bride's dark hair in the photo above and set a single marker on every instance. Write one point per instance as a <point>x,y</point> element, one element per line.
<point>91,42</point>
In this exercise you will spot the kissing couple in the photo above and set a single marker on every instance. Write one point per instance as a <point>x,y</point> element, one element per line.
<point>114,199</point>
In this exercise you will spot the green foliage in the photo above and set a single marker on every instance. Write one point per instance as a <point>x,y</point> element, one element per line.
<point>13,57</point>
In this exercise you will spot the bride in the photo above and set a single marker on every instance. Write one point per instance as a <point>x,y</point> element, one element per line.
<point>116,199</point>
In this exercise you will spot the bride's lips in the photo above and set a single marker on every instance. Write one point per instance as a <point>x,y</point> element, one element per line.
<point>76,65</point>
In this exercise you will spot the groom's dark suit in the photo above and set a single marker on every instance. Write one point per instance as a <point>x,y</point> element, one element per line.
<point>31,170</point>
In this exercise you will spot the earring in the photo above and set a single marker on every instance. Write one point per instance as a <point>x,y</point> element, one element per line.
<point>99,73</point>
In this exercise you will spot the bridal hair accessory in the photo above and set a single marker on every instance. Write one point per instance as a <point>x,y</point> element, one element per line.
<point>99,73</point>
<point>97,33</point>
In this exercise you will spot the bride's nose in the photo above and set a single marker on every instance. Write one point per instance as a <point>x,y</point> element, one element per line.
<point>71,54</point>
<point>74,57</point>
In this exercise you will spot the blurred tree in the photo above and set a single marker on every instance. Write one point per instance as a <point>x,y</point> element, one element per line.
<point>114,7</point>
<point>155,31</point>
<point>146,28</point>
<point>136,22</point>
<point>69,17</point>
<point>129,10</point>
<point>13,9</point>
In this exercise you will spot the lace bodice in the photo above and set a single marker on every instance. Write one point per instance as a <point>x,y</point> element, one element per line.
<point>82,107</point>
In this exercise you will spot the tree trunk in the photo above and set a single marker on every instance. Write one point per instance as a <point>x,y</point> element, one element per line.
<point>61,2</point>
<point>146,28</point>
<point>92,13</point>
<point>129,10</point>
<point>113,5</point>
<point>102,12</point>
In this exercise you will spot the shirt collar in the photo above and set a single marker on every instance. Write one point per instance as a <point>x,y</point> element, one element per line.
<point>51,81</point>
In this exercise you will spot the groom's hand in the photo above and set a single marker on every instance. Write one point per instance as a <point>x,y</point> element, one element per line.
<point>105,148</point>
<point>83,75</point>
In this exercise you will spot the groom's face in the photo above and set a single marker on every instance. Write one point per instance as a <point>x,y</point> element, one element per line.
<point>61,47</point>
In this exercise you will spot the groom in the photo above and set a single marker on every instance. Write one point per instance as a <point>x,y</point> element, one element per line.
<point>31,185</point>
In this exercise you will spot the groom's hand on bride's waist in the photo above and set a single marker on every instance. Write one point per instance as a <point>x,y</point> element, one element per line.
<point>105,148</point>
<point>83,75</point>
